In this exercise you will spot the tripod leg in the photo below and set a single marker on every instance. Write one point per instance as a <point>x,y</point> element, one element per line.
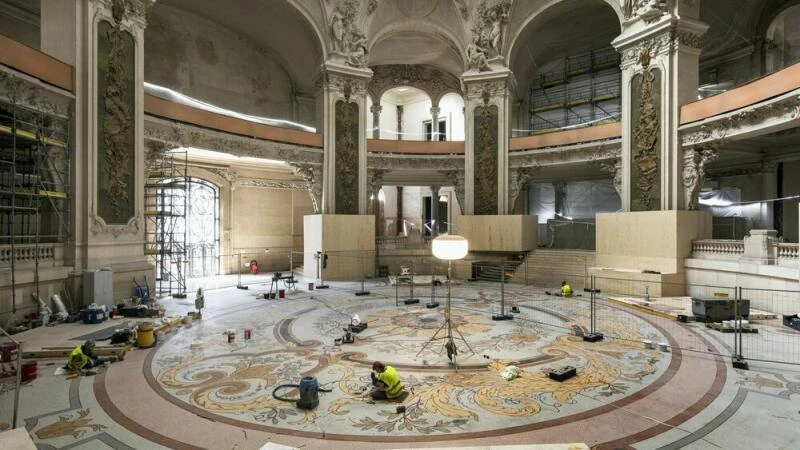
<point>433,338</point>
<point>465,341</point>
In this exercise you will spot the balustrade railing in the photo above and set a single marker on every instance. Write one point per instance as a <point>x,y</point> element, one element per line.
<point>788,250</point>
<point>718,246</point>
<point>27,253</point>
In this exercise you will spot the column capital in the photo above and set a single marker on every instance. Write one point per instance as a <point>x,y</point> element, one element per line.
<point>344,80</point>
<point>127,13</point>
<point>485,86</point>
<point>376,108</point>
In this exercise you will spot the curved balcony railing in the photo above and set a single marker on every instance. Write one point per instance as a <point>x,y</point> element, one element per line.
<point>788,250</point>
<point>27,253</point>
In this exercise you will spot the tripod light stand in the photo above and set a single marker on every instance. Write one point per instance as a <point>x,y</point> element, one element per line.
<point>449,247</point>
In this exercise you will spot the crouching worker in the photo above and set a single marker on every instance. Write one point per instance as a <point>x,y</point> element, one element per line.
<point>386,381</point>
<point>566,290</point>
<point>83,358</point>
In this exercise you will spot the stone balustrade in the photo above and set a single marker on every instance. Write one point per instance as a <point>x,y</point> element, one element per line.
<point>788,250</point>
<point>718,246</point>
<point>27,253</point>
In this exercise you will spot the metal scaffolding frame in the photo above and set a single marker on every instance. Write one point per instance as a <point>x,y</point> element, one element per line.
<point>166,204</point>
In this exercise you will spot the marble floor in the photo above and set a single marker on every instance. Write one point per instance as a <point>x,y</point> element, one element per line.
<point>199,389</point>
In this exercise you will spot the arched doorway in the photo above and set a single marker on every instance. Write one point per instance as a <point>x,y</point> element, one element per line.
<point>202,229</point>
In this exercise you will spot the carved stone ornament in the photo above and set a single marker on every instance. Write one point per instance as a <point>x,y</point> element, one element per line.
<point>426,78</point>
<point>100,227</point>
<point>184,135</point>
<point>720,129</point>
<point>645,151</point>
<point>20,91</point>
<point>312,175</point>
<point>226,174</point>
<point>614,167</point>
<point>348,86</point>
<point>347,40</point>
<point>375,179</point>
<point>413,162</point>
<point>645,51</point>
<point>518,176</point>
<point>647,10</point>
<point>271,184</point>
<point>488,34</point>
<point>486,91</point>
<point>694,173</point>
<point>129,11</point>
<point>456,178</point>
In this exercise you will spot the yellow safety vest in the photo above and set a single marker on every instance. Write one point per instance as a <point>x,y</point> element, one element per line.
<point>566,290</point>
<point>77,359</point>
<point>389,377</point>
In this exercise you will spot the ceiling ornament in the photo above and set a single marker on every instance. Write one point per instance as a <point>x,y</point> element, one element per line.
<point>426,78</point>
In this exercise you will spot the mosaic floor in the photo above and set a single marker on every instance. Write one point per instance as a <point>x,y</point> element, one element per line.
<point>198,390</point>
<point>200,370</point>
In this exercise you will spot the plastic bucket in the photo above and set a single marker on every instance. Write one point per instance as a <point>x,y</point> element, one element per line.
<point>310,286</point>
<point>28,371</point>
<point>145,337</point>
<point>248,333</point>
<point>281,293</point>
<point>9,352</point>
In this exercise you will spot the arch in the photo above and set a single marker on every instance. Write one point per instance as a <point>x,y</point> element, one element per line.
<point>321,41</point>
<point>426,78</point>
<point>775,55</point>
<point>412,27</point>
<point>538,14</point>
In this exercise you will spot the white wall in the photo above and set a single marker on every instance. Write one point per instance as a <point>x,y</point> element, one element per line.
<point>414,114</point>
<point>451,106</point>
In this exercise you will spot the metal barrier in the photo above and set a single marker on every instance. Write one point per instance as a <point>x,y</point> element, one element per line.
<point>10,380</point>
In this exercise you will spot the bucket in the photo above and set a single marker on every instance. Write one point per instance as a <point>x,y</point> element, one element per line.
<point>310,286</point>
<point>281,293</point>
<point>231,337</point>
<point>248,333</point>
<point>144,336</point>
<point>9,353</point>
<point>28,371</point>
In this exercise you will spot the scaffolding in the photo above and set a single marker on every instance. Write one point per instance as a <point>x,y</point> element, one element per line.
<point>166,204</point>
<point>583,89</point>
<point>34,189</point>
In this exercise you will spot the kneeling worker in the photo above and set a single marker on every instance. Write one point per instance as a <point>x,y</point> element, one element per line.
<point>387,383</point>
<point>566,290</point>
<point>83,358</point>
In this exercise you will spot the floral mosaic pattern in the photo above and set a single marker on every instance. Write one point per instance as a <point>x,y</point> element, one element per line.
<point>202,370</point>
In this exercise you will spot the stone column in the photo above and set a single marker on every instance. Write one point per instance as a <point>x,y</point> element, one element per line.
<point>344,166</point>
<point>435,122</point>
<point>487,104</point>
<point>399,220</point>
<point>434,210</point>
<point>769,190</point>
<point>660,50</point>
<point>375,109</point>
<point>104,41</point>
<point>399,122</point>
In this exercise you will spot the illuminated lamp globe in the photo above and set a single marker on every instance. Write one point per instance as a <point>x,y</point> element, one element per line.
<point>450,246</point>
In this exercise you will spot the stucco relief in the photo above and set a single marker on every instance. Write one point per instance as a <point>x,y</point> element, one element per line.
<point>393,162</point>
<point>226,174</point>
<point>375,179</point>
<point>127,10</point>
<point>488,34</point>
<point>485,148</point>
<point>614,167</point>
<point>426,78</point>
<point>270,184</point>
<point>486,91</point>
<point>348,86</point>
<point>647,49</point>
<point>99,226</point>
<point>645,141</point>
<point>694,173</point>
<point>346,38</point>
<point>312,175</point>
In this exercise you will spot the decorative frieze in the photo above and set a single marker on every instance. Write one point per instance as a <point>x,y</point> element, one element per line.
<point>647,10</point>
<point>270,184</point>
<point>772,113</point>
<point>426,78</point>
<point>414,162</point>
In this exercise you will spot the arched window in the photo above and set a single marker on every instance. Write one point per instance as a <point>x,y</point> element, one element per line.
<point>202,229</point>
<point>783,40</point>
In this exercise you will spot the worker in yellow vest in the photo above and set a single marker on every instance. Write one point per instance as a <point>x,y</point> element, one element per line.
<point>566,290</point>
<point>386,381</point>
<point>83,358</point>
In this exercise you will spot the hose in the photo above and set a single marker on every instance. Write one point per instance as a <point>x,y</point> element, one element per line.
<point>282,386</point>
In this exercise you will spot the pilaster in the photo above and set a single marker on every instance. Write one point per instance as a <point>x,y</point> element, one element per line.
<point>344,166</point>
<point>660,58</point>
<point>487,108</point>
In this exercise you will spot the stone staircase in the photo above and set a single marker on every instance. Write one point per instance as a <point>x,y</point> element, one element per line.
<point>548,267</point>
